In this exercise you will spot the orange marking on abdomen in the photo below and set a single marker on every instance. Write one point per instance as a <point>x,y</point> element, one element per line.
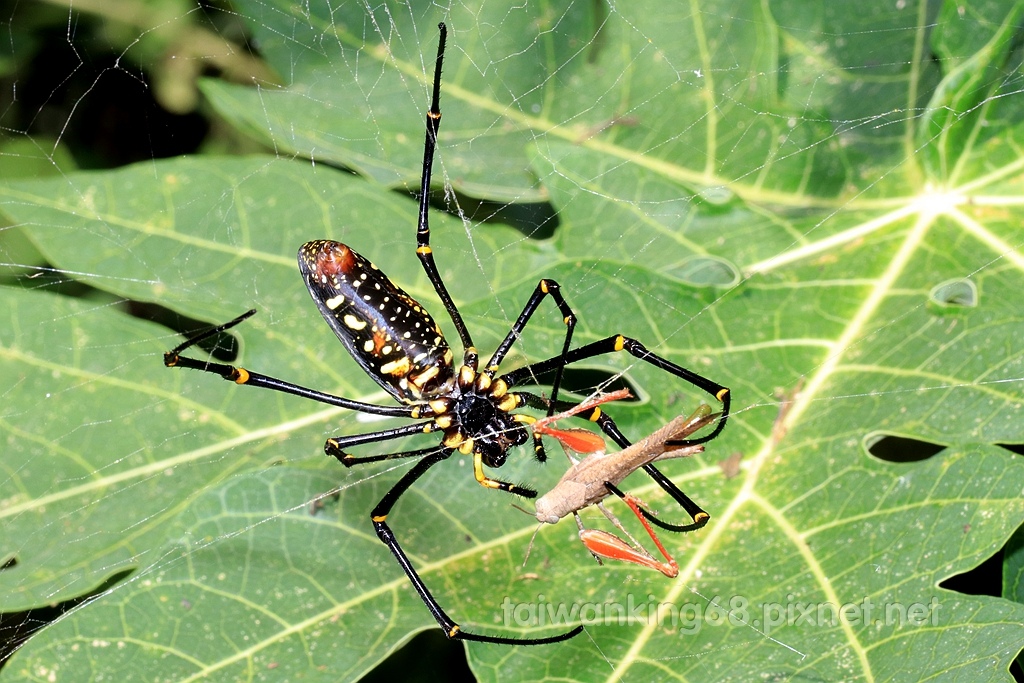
<point>334,258</point>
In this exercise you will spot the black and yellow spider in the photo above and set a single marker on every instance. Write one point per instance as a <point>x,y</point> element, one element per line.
<point>399,345</point>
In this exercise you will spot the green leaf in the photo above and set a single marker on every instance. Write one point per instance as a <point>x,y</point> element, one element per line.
<point>795,201</point>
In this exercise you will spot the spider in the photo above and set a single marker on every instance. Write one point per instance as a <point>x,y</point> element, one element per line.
<point>397,343</point>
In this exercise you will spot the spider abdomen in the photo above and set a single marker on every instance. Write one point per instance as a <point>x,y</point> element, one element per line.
<point>392,337</point>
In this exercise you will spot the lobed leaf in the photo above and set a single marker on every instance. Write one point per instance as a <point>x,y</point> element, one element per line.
<point>796,201</point>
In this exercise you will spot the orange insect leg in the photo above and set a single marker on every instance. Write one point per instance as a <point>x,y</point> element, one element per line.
<point>608,545</point>
<point>575,439</point>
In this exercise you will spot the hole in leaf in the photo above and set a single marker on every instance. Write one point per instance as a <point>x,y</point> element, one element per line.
<point>18,627</point>
<point>10,563</point>
<point>429,656</point>
<point>705,271</point>
<point>892,448</point>
<point>985,579</point>
<point>951,295</point>
<point>1017,448</point>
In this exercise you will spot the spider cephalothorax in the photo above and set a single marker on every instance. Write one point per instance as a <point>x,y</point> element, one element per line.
<point>478,418</point>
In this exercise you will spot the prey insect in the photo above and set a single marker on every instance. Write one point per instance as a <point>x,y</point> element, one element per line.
<point>584,483</point>
<point>471,405</point>
<point>590,480</point>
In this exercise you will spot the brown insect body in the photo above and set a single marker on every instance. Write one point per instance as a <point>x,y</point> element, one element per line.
<point>583,484</point>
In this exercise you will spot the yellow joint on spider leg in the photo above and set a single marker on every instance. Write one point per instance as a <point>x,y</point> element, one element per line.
<point>424,250</point>
<point>241,375</point>
<point>596,414</point>
<point>620,343</point>
<point>443,421</point>
<point>466,447</point>
<point>379,518</point>
<point>453,631</point>
<point>499,388</point>
<point>509,403</point>
<point>483,382</point>
<point>721,394</point>
<point>478,470</point>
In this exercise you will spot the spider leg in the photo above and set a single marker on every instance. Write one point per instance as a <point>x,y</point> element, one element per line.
<point>544,288</point>
<point>426,254</point>
<point>423,250</point>
<point>336,446</point>
<point>349,460</point>
<point>384,533</point>
<point>238,375</point>
<point>699,516</point>
<point>617,343</point>
<point>540,403</point>
<point>490,483</point>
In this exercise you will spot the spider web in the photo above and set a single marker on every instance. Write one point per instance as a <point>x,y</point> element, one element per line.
<point>817,206</point>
